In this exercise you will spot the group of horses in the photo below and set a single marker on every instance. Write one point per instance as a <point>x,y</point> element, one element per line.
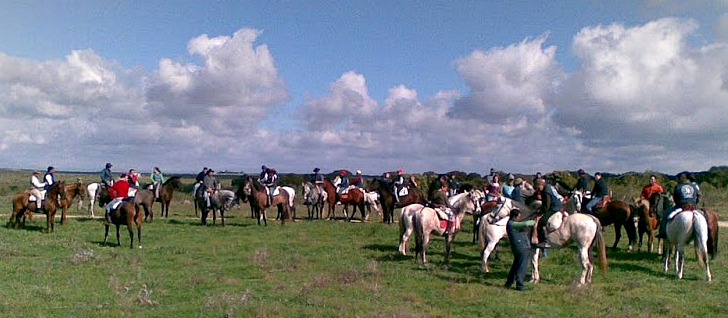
<point>582,228</point>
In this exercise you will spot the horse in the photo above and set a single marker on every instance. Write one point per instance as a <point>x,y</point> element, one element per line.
<point>166,192</point>
<point>353,196</point>
<point>647,219</point>
<point>585,231</point>
<point>427,221</point>
<point>406,226</point>
<point>251,190</point>
<point>22,206</point>
<point>72,190</point>
<point>220,201</point>
<point>127,213</point>
<point>686,226</point>
<point>291,202</point>
<point>92,191</point>
<point>313,199</point>
<point>712,219</point>
<point>389,202</point>
<point>620,214</point>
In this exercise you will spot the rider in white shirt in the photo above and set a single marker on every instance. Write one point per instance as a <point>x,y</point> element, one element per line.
<point>38,186</point>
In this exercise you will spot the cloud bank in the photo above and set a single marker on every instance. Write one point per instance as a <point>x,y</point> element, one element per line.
<point>644,97</point>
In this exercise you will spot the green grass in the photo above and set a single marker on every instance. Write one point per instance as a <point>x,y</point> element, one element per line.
<point>316,269</point>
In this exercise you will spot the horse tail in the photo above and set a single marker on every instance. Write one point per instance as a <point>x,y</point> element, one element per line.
<point>419,235</point>
<point>601,247</point>
<point>481,233</point>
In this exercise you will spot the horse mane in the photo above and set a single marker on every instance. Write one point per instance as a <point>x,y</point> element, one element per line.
<point>255,183</point>
<point>175,179</point>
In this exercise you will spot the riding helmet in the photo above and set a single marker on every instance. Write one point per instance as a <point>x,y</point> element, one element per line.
<point>109,165</point>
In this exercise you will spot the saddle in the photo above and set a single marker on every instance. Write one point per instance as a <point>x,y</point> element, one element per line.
<point>31,198</point>
<point>605,200</point>
<point>114,204</point>
<point>276,191</point>
<point>685,208</point>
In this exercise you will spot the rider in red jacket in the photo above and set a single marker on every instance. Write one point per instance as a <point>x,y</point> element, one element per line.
<point>118,191</point>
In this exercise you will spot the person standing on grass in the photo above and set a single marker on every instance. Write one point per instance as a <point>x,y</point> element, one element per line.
<point>518,235</point>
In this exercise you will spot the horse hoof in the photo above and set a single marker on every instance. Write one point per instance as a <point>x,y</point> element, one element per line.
<point>140,247</point>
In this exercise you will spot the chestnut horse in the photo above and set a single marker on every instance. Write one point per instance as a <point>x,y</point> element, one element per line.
<point>620,214</point>
<point>353,196</point>
<point>22,206</point>
<point>252,190</point>
<point>72,190</point>
<point>647,219</point>
<point>127,213</point>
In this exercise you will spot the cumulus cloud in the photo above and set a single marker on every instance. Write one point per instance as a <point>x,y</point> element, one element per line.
<point>231,88</point>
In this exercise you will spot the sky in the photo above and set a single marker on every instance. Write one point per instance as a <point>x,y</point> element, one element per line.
<point>519,86</point>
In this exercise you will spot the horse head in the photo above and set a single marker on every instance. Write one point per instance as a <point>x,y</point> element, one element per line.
<point>174,182</point>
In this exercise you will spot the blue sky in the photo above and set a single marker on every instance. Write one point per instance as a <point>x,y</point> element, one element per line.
<point>372,85</point>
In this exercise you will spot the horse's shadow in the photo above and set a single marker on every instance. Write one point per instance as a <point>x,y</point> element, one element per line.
<point>30,227</point>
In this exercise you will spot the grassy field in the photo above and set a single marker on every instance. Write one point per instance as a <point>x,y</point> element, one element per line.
<point>313,269</point>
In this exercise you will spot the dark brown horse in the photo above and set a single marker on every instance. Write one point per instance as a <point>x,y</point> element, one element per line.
<point>72,190</point>
<point>22,206</point>
<point>253,191</point>
<point>127,213</point>
<point>620,214</point>
<point>389,203</point>
<point>145,198</point>
<point>166,192</point>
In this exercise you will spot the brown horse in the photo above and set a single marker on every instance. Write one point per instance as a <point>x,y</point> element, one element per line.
<point>127,213</point>
<point>22,206</point>
<point>620,214</point>
<point>145,198</point>
<point>647,219</point>
<point>166,192</point>
<point>255,192</point>
<point>353,196</point>
<point>72,190</point>
<point>388,201</point>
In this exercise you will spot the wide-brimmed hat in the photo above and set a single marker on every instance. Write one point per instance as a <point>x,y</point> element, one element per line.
<point>36,172</point>
<point>358,172</point>
<point>316,169</point>
<point>109,165</point>
<point>518,181</point>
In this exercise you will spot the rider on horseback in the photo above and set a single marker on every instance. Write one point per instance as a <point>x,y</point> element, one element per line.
<point>550,204</point>
<point>318,179</point>
<point>199,179</point>
<point>398,183</point>
<point>437,197</point>
<point>118,191</point>
<point>107,178</point>
<point>358,180</point>
<point>650,189</point>
<point>38,186</point>
<point>210,185</point>
<point>157,180</point>
<point>686,198</point>
<point>583,182</point>
<point>344,181</point>
<point>599,191</point>
<point>271,182</point>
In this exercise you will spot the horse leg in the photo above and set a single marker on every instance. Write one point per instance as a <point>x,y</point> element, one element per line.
<point>535,275</point>
<point>118,240</point>
<point>476,225</point>
<point>586,266</point>
<point>130,228</point>
<point>106,234</point>
<point>680,261</point>
<point>485,254</point>
<point>222,216</point>
<point>617,234</point>
<point>64,208</point>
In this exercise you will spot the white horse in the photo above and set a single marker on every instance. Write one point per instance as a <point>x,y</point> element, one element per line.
<point>492,228</point>
<point>291,202</point>
<point>406,228</point>
<point>461,203</point>
<point>582,229</point>
<point>92,193</point>
<point>686,226</point>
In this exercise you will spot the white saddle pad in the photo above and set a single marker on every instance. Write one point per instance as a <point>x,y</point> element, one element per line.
<point>276,191</point>
<point>32,198</point>
<point>403,192</point>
